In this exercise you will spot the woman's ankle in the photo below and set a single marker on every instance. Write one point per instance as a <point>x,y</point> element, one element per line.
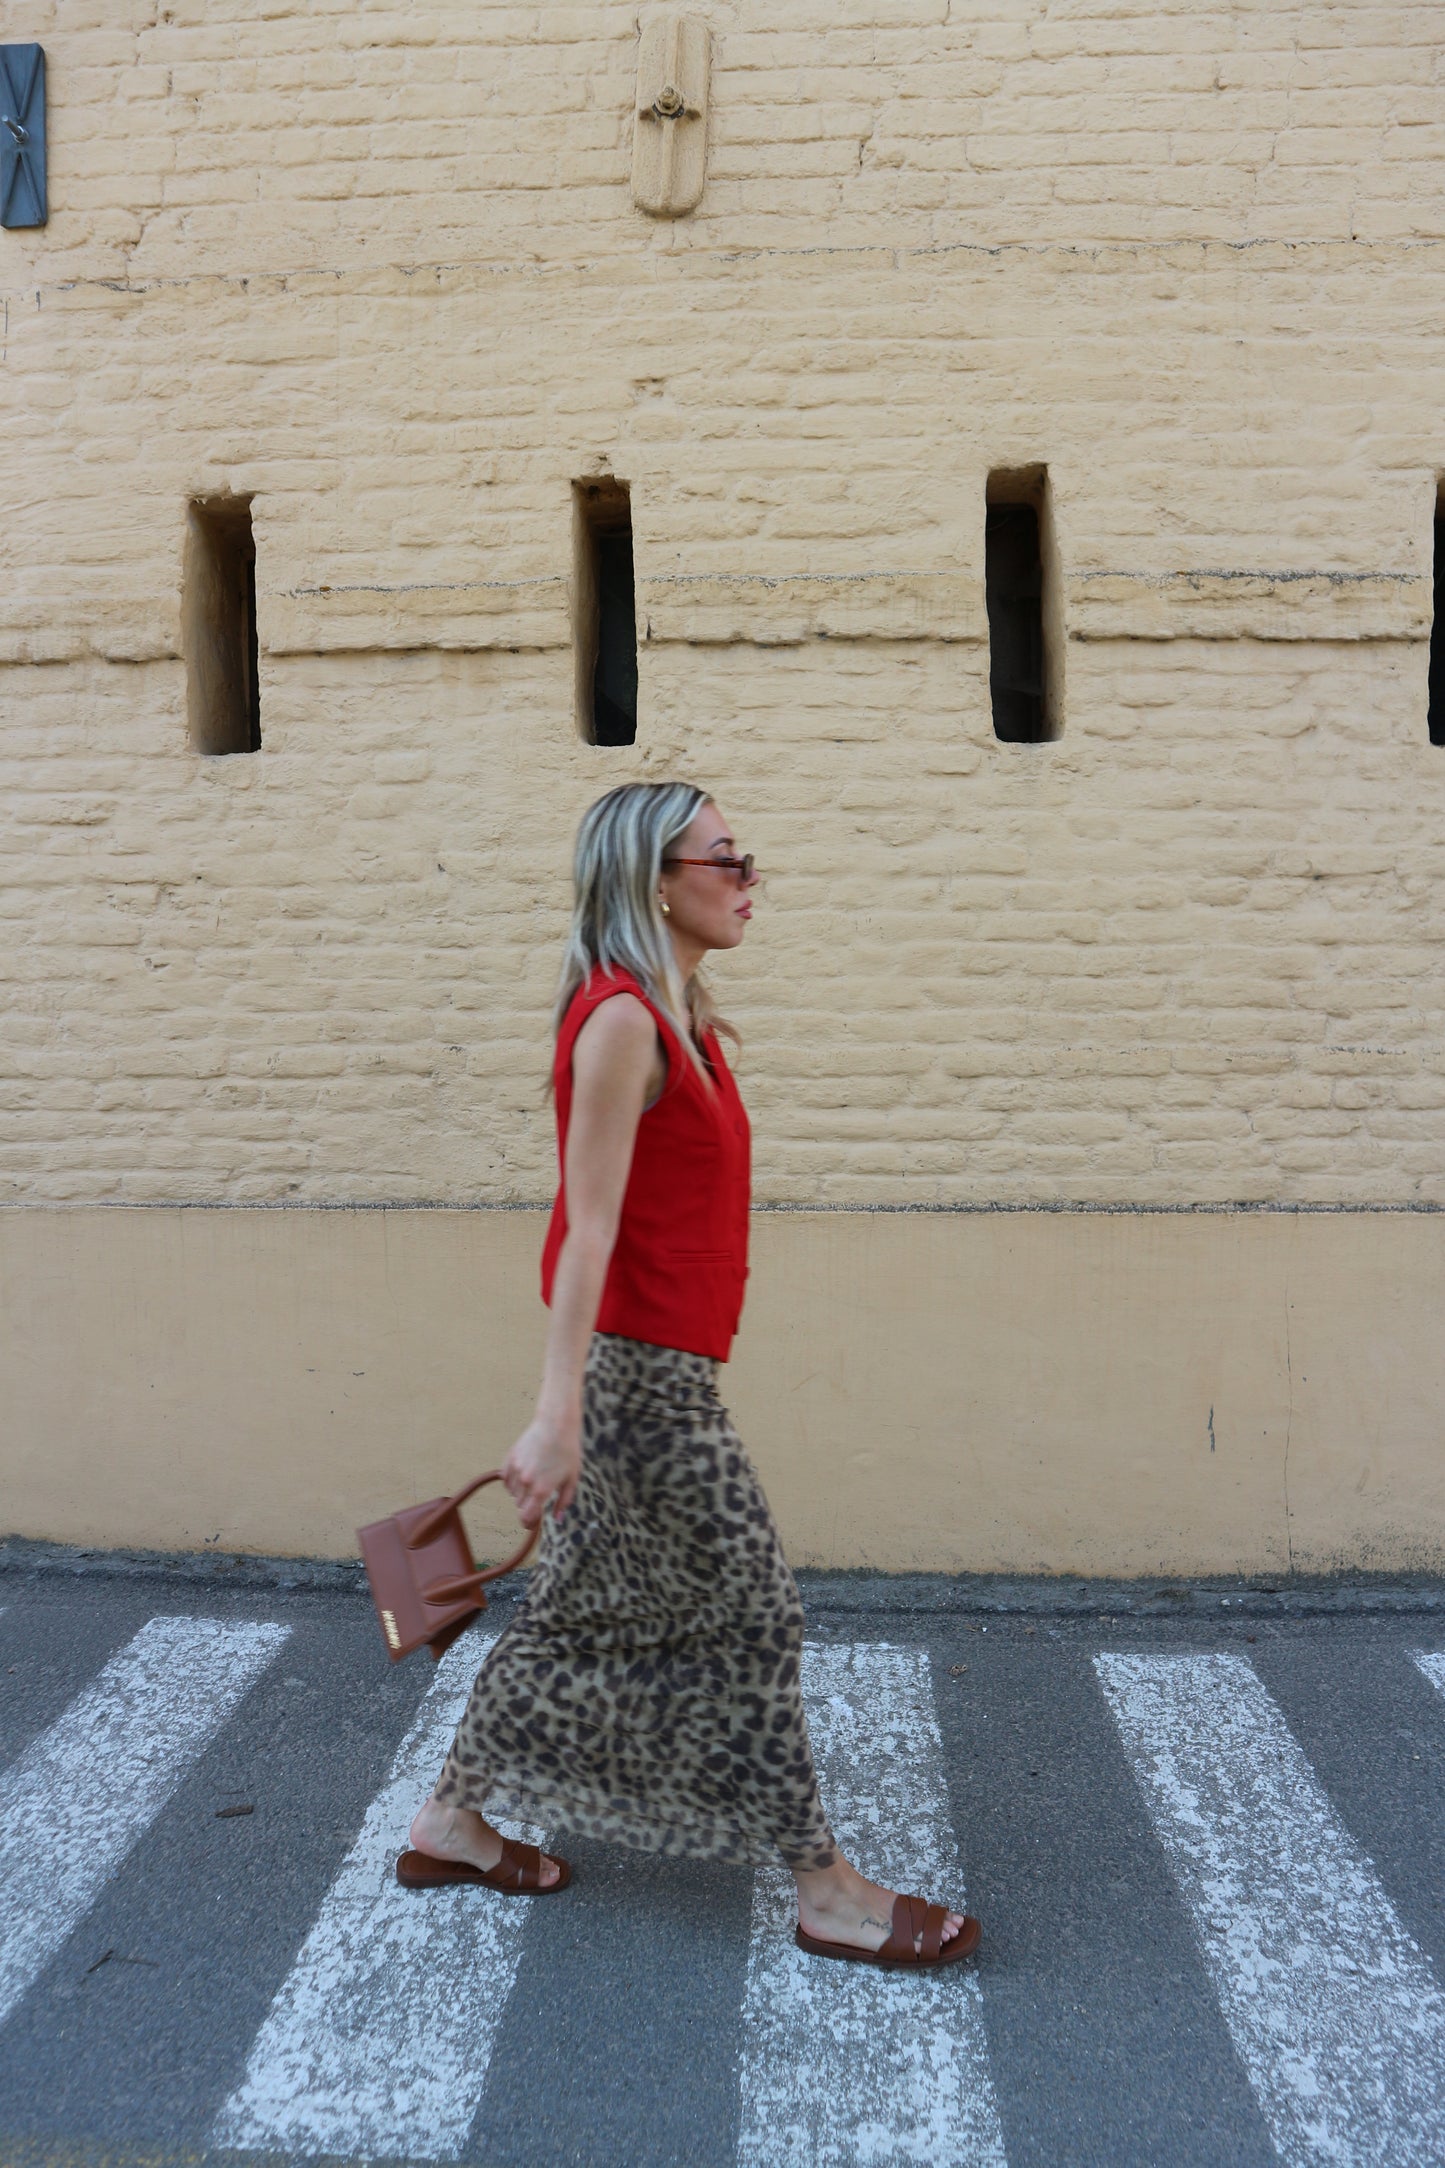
<point>448,1832</point>
<point>817,1886</point>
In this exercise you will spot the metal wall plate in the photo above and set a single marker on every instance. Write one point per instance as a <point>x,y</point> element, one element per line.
<point>22,136</point>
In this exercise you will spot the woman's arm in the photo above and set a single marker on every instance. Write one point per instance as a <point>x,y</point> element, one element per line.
<point>615,1064</point>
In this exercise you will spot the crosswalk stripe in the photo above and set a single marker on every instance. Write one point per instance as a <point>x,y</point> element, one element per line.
<point>1333,2008</point>
<point>379,2038</point>
<point>845,2064</point>
<point>1432,1663</point>
<point>85,1791</point>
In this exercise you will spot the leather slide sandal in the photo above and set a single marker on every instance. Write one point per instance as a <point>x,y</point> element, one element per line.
<point>915,1921</point>
<point>517,1873</point>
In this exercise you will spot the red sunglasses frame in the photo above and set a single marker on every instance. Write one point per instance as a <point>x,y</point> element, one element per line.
<point>744,867</point>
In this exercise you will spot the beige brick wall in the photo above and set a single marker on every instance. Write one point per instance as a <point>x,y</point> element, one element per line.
<point>249,135</point>
<point>1190,952</point>
<point>378,266</point>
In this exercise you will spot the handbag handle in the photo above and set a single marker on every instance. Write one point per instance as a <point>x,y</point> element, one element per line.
<point>467,1584</point>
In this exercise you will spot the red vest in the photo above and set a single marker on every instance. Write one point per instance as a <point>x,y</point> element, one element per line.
<point>681,1257</point>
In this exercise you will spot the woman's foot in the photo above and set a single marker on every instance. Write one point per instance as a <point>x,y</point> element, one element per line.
<point>459,1833</point>
<point>838,1905</point>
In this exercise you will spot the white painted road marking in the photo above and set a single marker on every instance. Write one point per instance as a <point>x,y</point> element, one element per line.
<point>845,2064</point>
<point>379,2038</point>
<point>1333,2008</point>
<point>1432,1663</point>
<point>84,1793</point>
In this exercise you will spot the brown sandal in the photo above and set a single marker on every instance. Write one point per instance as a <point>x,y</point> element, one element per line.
<point>518,1873</point>
<point>914,1921</point>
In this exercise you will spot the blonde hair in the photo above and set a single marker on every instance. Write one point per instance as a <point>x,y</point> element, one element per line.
<point>617,921</point>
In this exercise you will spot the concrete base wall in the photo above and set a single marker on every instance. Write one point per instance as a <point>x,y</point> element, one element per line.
<point>1099,1393</point>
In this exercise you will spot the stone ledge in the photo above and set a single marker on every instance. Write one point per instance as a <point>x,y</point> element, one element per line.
<point>730,609</point>
<point>1226,604</point>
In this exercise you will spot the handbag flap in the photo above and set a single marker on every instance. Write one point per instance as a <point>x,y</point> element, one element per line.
<point>400,1576</point>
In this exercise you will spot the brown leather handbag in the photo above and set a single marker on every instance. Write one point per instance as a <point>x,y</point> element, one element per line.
<point>424,1582</point>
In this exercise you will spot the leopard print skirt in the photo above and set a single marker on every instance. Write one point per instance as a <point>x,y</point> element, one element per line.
<point>647,1689</point>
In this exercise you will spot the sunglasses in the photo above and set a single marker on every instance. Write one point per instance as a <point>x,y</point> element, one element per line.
<point>744,868</point>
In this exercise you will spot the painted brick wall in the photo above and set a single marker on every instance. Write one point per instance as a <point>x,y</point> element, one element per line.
<point>380,267</point>
<point>255,135</point>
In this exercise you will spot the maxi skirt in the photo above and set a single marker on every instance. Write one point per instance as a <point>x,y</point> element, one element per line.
<point>647,1689</point>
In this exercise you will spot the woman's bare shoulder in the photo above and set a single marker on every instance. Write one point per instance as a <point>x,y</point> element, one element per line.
<point>618,1028</point>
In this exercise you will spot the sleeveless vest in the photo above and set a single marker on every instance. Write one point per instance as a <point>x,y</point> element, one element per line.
<point>678,1269</point>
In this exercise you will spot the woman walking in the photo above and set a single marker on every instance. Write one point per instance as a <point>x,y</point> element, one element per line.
<point>647,1690</point>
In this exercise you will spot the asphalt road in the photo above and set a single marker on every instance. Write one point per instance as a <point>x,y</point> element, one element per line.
<point>1208,1853</point>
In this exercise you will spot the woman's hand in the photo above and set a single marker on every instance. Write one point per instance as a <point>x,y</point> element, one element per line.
<point>547,1458</point>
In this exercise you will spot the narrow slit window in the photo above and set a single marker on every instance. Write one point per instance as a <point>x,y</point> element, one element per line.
<point>218,624</point>
<point>606,614</point>
<point>1020,596</point>
<point>1437,634</point>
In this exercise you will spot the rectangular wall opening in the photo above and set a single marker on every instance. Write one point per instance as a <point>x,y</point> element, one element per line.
<point>604,626</point>
<point>1437,630</point>
<point>1021,594</point>
<point>218,627</point>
